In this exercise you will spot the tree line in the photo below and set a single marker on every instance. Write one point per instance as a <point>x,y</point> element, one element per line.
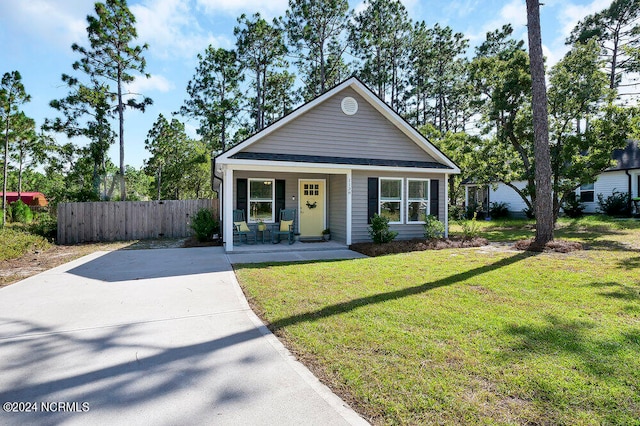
<point>476,105</point>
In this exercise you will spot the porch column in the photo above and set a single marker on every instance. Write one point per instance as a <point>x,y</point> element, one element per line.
<point>446,206</point>
<point>228,209</point>
<point>349,207</point>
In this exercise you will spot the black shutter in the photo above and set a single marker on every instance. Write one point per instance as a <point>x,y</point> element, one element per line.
<point>241,197</point>
<point>372,198</point>
<point>434,193</point>
<point>280,198</point>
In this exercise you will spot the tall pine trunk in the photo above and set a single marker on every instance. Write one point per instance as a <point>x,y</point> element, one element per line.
<point>544,195</point>
<point>123,189</point>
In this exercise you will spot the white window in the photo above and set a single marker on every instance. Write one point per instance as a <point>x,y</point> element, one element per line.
<point>391,199</point>
<point>586,193</point>
<point>261,200</point>
<point>417,200</point>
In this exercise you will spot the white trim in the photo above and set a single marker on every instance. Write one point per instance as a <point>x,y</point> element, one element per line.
<point>428,199</point>
<point>349,206</point>
<point>285,166</point>
<point>273,199</point>
<point>402,198</point>
<point>446,205</point>
<point>368,95</point>
<point>324,206</point>
<point>228,213</point>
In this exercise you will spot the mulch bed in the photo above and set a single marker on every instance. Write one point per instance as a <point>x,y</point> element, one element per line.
<point>193,242</point>
<point>417,244</point>
<point>557,246</point>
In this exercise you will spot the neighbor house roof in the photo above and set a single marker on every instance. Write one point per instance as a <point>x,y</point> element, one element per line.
<point>442,162</point>
<point>626,158</point>
<point>29,198</point>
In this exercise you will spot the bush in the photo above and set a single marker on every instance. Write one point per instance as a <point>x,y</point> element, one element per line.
<point>46,226</point>
<point>470,228</point>
<point>204,225</point>
<point>499,210</point>
<point>379,230</point>
<point>433,228</point>
<point>616,204</point>
<point>529,212</point>
<point>572,207</point>
<point>472,211</point>
<point>456,212</point>
<point>21,212</point>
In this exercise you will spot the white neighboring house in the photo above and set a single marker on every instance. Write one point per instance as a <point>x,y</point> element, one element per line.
<point>624,176</point>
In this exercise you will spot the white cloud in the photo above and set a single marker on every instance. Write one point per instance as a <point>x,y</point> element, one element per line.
<point>514,13</point>
<point>61,23</point>
<point>171,29</point>
<point>570,14</point>
<point>155,83</point>
<point>267,8</point>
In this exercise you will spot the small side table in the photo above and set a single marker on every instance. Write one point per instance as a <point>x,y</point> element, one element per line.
<point>263,233</point>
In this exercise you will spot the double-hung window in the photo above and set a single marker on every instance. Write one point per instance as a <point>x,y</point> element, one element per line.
<point>417,200</point>
<point>586,193</point>
<point>391,199</point>
<point>261,200</point>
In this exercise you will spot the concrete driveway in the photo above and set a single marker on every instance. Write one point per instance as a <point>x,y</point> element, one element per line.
<point>159,337</point>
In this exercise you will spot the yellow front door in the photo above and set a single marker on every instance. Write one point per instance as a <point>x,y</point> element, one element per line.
<point>312,207</point>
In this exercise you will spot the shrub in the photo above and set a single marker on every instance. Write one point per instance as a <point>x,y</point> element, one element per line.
<point>529,212</point>
<point>204,225</point>
<point>499,210</point>
<point>472,211</point>
<point>46,226</point>
<point>21,212</point>
<point>470,228</point>
<point>456,212</point>
<point>433,228</point>
<point>616,204</point>
<point>572,207</point>
<point>379,230</point>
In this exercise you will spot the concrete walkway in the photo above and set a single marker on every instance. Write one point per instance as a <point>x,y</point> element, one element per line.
<point>156,337</point>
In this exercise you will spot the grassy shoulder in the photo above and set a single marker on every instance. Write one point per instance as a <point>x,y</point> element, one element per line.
<point>480,335</point>
<point>16,242</point>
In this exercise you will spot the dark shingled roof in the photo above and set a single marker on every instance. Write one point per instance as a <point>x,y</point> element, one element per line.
<point>337,160</point>
<point>626,158</point>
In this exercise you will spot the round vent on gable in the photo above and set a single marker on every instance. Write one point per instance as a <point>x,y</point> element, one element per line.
<point>349,105</point>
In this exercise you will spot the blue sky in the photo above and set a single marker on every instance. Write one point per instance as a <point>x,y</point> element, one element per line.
<point>36,38</point>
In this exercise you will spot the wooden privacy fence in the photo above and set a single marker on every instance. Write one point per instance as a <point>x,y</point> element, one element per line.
<point>128,220</point>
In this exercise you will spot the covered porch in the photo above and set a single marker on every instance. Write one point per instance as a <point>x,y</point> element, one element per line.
<point>320,196</point>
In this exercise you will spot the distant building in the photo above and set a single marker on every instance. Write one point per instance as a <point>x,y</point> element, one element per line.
<point>34,199</point>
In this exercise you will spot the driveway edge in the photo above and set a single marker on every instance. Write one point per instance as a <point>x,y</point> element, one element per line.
<point>334,401</point>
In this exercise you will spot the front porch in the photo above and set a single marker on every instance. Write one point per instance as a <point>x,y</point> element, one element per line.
<point>284,247</point>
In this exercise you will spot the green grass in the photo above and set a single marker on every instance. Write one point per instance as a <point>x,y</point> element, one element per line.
<point>470,336</point>
<point>15,242</point>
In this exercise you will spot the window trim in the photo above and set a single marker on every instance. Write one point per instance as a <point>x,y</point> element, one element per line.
<point>579,192</point>
<point>402,197</point>
<point>426,200</point>
<point>273,198</point>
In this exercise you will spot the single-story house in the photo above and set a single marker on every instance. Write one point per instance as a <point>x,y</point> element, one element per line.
<point>623,176</point>
<point>336,160</point>
<point>34,199</point>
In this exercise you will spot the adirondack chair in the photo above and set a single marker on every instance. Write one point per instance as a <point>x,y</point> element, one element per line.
<point>241,228</point>
<point>285,226</point>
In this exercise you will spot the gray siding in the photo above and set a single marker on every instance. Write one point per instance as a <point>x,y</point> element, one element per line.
<point>326,130</point>
<point>290,186</point>
<point>337,187</point>
<point>359,226</point>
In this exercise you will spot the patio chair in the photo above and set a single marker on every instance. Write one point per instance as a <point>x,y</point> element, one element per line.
<point>285,226</point>
<point>241,228</point>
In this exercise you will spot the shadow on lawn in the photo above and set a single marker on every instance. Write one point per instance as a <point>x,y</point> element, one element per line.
<point>350,305</point>
<point>561,335</point>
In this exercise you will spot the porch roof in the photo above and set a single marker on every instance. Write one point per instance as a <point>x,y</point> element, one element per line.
<point>319,159</point>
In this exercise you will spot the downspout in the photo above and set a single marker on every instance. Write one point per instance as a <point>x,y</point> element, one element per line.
<point>629,197</point>
<point>220,198</point>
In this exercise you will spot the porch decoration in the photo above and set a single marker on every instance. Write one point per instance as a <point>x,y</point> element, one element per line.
<point>312,205</point>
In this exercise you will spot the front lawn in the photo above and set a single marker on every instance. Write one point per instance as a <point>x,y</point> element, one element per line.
<point>468,336</point>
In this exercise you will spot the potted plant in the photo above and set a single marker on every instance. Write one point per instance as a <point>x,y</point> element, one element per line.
<point>326,234</point>
<point>261,225</point>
